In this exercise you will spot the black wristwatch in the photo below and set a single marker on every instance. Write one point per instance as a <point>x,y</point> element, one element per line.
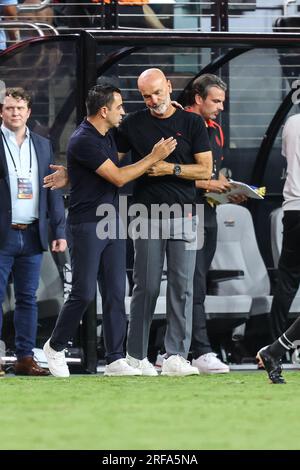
<point>177,170</point>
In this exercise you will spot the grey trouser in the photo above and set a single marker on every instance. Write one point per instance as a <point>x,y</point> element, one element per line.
<point>180,251</point>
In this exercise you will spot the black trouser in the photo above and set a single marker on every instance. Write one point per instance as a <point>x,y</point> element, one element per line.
<point>93,259</point>
<point>200,342</point>
<point>288,273</point>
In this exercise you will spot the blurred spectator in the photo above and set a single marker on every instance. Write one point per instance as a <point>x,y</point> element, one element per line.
<point>95,14</point>
<point>140,15</point>
<point>36,16</point>
<point>8,11</point>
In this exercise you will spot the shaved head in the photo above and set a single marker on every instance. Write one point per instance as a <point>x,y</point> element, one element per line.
<point>150,75</point>
<point>155,88</point>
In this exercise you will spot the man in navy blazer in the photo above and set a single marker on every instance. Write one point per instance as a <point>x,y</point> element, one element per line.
<point>25,209</point>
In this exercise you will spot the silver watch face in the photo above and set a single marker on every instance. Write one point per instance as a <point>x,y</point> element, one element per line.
<point>177,170</point>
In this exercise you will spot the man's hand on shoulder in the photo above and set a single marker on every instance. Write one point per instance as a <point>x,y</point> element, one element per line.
<point>57,180</point>
<point>177,105</point>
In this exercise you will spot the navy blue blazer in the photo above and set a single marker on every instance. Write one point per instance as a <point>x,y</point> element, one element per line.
<point>51,206</point>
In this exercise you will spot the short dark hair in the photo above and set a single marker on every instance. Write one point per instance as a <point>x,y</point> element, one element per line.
<point>19,94</point>
<point>202,85</point>
<point>99,96</point>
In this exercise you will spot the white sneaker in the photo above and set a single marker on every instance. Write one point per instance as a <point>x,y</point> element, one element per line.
<point>159,360</point>
<point>177,365</point>
<point>209,363</point>
<point>143,365</point>
<point>56,361</point>
<point>120,367</point>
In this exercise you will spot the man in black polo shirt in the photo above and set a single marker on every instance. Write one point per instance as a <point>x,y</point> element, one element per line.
<point>94,175</point>
<point>171,183</point>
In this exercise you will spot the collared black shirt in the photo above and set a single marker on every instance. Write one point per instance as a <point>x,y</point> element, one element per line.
<point>87,150</point>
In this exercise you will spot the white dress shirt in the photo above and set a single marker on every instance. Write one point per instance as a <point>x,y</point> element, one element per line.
<point>24,211</point>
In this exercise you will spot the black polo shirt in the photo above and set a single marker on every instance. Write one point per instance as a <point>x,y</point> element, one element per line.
<point>139,132</point>
<point>87,150</point>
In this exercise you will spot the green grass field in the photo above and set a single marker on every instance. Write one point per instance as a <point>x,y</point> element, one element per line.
<point>235,411</point>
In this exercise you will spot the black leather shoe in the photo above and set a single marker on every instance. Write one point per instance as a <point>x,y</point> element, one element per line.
<point>271,365</point>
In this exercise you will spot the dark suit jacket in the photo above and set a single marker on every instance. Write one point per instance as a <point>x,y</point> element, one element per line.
<point>51,207</point>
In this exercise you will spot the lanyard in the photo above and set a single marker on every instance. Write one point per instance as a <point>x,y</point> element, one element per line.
<point>11,156</point>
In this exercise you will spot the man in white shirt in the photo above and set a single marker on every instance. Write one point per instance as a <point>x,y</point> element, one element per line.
<point>25,207</point>
<point>289,262</point>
